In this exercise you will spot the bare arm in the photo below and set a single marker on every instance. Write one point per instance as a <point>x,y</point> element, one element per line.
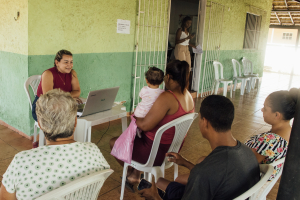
<point>4,195</point>
<point>259,157</point>
<point>159,109</point>
<point>179,160</point>
<point>47,81</point>
<point>75,85</point>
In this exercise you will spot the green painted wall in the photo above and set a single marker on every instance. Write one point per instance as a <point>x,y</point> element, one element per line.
<point>14,106</point>
<point>233,30</point>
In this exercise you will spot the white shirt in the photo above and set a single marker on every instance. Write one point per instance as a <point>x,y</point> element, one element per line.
<point>183,36</point>
<point>148,96</point>
<point>35,172</point>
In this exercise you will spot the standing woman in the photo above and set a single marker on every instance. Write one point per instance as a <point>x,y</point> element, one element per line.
<point>183,37</point>
<point>61,76</point>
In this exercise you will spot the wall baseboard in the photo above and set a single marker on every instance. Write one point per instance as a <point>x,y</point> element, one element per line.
<point>16,130</point>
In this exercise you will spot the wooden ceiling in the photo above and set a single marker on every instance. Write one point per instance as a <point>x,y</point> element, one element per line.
<point>285,13</point>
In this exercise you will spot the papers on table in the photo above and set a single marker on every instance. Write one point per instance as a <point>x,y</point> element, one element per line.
<point>198,49</point>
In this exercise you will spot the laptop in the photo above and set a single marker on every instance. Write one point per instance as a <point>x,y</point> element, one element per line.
<point>98,101</point>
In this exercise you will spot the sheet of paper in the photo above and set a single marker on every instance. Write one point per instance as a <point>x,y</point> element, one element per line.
<point>198,49</point>
<point>123,26</point>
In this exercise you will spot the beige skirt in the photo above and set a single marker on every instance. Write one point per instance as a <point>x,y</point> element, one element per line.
<point>182,52</point>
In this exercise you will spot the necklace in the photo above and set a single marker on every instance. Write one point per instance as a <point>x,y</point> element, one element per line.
<point>61,79</point>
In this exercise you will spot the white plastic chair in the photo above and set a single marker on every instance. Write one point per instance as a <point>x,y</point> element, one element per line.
<point>220,79</point>
<point>266,171</point>
<point>182,125</point>
<point>248,72</point>
<point>33,82</point>
<point>86,188</point>
<point>238,76</point>
<point>263,195</point>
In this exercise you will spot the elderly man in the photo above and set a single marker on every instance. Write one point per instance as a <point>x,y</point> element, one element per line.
<point>228,171</point>
<point>35,172</point>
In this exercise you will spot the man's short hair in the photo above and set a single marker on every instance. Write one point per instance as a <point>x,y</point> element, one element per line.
<point>219,111</point>
<point>56,112</point>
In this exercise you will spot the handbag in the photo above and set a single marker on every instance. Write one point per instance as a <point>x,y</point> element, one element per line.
<point>123,146</point>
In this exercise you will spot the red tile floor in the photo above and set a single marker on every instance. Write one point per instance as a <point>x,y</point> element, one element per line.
<point>248,121</point>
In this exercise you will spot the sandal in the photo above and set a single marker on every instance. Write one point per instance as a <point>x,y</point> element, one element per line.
<point>128,185</point>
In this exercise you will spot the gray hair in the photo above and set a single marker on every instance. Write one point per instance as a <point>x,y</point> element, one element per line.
<point>56,112</point>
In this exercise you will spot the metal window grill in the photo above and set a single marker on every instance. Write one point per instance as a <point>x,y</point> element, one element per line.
<point>252,31</point>
<point>255,19</point>
<point>212,49</point>
<point>152,32</point>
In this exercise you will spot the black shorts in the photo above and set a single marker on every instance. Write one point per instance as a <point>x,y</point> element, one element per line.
<point>174,191</point>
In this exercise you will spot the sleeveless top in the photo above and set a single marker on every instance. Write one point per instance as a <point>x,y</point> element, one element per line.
<point>58,81</point>
<point>183,36</point>
<point>168,135</point>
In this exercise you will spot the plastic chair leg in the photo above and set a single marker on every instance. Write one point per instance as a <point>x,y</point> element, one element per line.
<point>41,138</point>
<point>123,180</point>
<point>225,89</point>
<point>34,132</point>
<point>231,86</point>
<point>175,171</point>
<point>216,87</point>
<point>242,87</point>
<point>146,175</point>
<point>235,83</point>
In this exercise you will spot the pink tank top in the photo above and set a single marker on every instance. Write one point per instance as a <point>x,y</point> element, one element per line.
<point>168,135</point>
<point>60,80</point>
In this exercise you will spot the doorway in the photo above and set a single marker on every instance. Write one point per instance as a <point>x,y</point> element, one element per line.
<point>178,11</point>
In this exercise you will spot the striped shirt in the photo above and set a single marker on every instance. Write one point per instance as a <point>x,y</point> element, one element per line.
<point>270,145</point>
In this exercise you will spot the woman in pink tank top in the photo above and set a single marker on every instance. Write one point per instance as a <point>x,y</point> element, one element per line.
<point>174,103</point>
<point>61,76</point>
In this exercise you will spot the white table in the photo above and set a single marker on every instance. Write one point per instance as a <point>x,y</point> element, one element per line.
<point>83,129</point>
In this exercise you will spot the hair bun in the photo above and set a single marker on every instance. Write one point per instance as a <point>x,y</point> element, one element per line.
<point>293,94</point>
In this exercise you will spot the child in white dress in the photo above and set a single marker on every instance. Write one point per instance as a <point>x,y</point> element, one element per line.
<point>154,77</point>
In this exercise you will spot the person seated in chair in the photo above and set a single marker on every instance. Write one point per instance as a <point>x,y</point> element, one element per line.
<point>227,172</point>
<point>170,105</point>
<point>35,172</point>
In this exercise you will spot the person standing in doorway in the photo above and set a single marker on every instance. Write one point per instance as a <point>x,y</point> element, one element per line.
<point>182,41</point>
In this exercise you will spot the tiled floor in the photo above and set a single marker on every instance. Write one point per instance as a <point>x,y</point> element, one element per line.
<point>248,121</point>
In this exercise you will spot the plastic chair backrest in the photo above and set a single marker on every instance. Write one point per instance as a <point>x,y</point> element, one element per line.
<point>182,125</point>
<point>247,66</point>
<point>266,171</point>
<point>236,63</point>
<point>218,65</point>
<point>86,188</point>
<point>34,82</point>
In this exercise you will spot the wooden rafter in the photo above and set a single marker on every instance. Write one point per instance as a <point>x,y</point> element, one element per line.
<point>278,18</point>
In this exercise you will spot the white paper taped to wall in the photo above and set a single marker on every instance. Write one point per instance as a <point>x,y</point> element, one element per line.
<point>123,26</point>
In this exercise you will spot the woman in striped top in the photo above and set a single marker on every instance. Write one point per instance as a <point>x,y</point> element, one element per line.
<point>279,108</point>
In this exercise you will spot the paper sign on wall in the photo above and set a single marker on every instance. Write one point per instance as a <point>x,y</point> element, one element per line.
<point>123,26</point>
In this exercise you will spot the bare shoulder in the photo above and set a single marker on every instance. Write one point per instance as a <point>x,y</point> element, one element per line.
<point>47,74</point>
<point>74,73</point>
<point>165,97</point>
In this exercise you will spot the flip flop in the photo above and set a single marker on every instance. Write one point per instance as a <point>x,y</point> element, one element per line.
<point>128,185</point>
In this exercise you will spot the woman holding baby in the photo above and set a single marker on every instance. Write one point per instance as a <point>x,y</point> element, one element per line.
<point>169,105</point>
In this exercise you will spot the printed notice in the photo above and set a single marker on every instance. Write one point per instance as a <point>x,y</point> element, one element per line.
<point>123,26</point>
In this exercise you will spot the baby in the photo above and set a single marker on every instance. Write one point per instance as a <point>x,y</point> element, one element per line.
<point>154,77</point>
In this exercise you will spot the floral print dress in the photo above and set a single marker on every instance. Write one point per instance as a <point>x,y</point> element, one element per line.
<point>271,145</point>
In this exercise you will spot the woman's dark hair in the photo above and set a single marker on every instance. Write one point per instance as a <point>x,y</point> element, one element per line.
<point>154,76</point>
<point>187,18</point>
<point>60,54</point>
<point>179,71</point>
<point>283,101</point>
